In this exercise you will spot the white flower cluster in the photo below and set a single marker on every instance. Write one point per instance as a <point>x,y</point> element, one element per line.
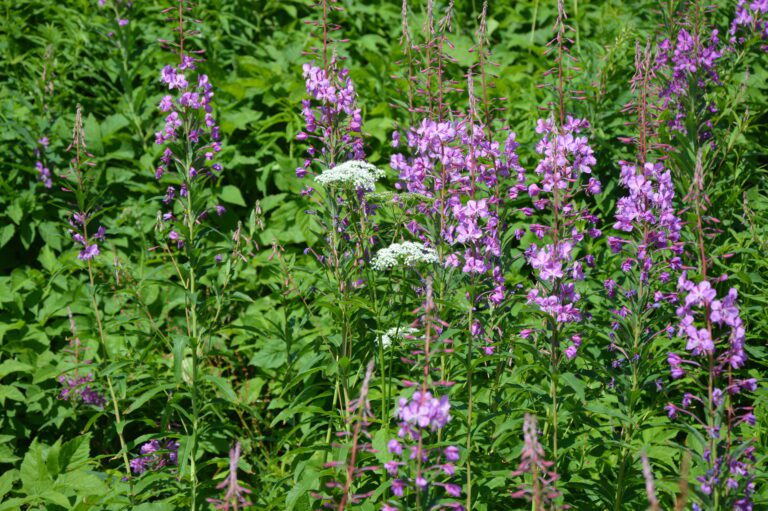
<point>396,333</point>
<point>406,253</point>
<point>357,172</point>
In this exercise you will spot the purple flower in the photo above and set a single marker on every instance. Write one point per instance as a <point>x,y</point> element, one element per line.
<point>88,252</point>
<point>154,455</point>
<point>424,411</point>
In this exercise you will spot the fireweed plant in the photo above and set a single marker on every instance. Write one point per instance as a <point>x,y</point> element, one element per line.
<point>189,171</point>
<point>709,323</point>
<point>461,164</point>
<point>87,234</point>
<point>646,245</point>
<point>563,180</point>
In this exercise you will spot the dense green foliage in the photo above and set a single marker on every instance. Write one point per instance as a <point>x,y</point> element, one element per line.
<point>274,362</point>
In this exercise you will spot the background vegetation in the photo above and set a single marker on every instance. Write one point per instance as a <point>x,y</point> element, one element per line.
<point>268,378</point>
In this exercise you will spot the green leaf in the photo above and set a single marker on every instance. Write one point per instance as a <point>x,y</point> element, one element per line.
<point>6,233</point>
<point>147,395</point>
<point>10,392</point>
<point>179,346</point>
<point>6,482</point>
<point>272,356</point>
<point>48,259</point>
<point>577,385</point>
<point>75,453</point>
<point>232,195</point>
<point>14,366</point>
<point>224,387</point>
<point>34,475</point>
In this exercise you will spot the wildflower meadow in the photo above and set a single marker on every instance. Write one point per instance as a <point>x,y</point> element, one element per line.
<point>384,255</point>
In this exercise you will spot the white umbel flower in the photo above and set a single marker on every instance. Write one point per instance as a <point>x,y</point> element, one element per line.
<point>396,333</point>
<point>406,253</point>
<point>357,172</point>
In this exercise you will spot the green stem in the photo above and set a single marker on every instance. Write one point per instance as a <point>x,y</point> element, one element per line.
<point>470,403</point>
<point>191,304</point>
<point>115,408</point>
<point>553,387</point>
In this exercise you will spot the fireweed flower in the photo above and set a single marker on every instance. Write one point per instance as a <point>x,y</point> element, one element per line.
<point>333,121</point>
<point>461,170</point>
<point>191,141</point>
<point>154,455</point>
<point>82,232</point>
<point>417,466</point>
<point>689,65</point>
<point>699,303</point>
<point>43,172</point>
<point>751,17</point>
<point>564,170</point>
<point>234,495</point>
<point>649,249</point>
<point>407,254</point>
<point>714,336</point>
<point>80,389</point>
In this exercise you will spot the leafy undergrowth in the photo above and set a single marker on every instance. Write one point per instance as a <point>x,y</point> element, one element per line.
<point>390,255</point>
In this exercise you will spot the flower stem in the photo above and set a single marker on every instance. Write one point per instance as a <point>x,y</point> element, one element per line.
<point>115,408</point>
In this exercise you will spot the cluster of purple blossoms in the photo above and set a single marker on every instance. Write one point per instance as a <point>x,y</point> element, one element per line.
<point>459,167</point>
<point>723,313</point>
<point>79,234</point>
<point>542,492</point>
<point>234,496</point>
<point>189,123</point>
<point>752,17</point>
<point>43,172</point>
<point>155,455</point>
<point>691,61</point>
<point>331,117</point>
<point>737,476</point>
<point>649,213</point>
<point>566,159</point>
<point>417,466</point>
<point>80,390</point>
<point>705,321</point>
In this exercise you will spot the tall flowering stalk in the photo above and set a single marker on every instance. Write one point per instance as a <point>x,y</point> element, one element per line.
<point>647,249</point>
<point>332,118</point>
<point>234,495</point>
<point>714,336</point>
<point>190,141</point>
<point>542,491</point>
<point>709,324</point>
<point>359,417</point>
<point>563,175</point>
<point>344,205</point>
<point>45,88</point>
<point>75,387</point>
<point>689,62</point>
<point>86,238</point>
<point>421,466</point>
<point>459,164</point>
